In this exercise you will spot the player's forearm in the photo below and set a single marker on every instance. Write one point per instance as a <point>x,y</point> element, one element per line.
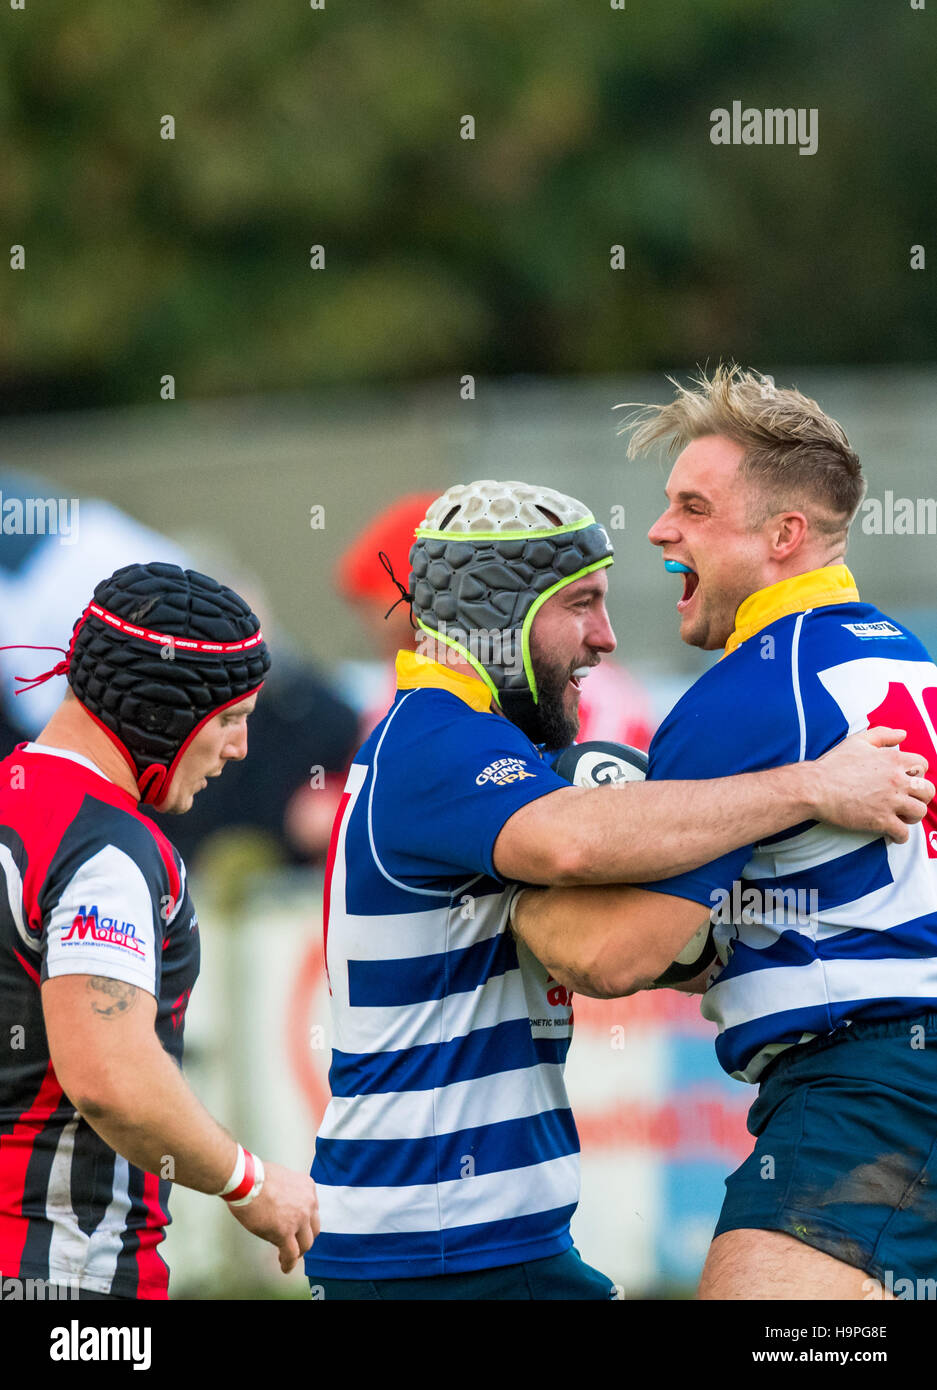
<point>649,830</point>
<point>604,941</point>
<point>149,1115</point>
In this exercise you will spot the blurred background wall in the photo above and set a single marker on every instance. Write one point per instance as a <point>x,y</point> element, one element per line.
<point>270,267</point>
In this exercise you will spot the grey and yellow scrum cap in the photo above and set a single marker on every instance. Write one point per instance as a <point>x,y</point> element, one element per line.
<point>486,557</point>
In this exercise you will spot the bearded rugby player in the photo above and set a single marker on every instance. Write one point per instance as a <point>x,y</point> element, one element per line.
<point>447,1160</point>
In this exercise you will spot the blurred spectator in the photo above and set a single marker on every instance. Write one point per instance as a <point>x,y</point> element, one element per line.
<point>613,704</point>
<point>364,583</point>
<point>302,734</point>
<point>279,804</point>
<point>45,581</point>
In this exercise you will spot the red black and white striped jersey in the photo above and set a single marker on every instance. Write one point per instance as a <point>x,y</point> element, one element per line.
<point>88,886</point>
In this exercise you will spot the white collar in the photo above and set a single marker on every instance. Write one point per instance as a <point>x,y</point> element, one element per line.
<point>67,753</point>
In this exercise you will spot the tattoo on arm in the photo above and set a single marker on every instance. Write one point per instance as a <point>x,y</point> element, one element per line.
<point>111,997</point>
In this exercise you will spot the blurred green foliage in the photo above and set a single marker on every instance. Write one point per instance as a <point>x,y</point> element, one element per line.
<point>340,126</point>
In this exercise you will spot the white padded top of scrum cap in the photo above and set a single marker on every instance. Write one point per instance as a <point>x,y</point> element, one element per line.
<point>491,506</point>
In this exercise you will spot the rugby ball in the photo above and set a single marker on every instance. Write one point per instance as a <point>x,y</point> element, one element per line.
<point>599,764</point>
<point>698,954</point>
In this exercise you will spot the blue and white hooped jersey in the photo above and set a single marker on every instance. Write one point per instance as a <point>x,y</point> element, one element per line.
<point>449,1144</point>
<point>817,925</point>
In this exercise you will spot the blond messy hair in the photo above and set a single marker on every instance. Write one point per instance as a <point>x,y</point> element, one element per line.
<point>796,456</point>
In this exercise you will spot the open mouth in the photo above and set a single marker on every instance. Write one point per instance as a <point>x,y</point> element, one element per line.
<point>690,581</point>
<point>578,676</point>
<point>690,586</point>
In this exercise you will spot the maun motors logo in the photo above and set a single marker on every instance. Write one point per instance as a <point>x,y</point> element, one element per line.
<point>503,771</point>
<point>89,923</point>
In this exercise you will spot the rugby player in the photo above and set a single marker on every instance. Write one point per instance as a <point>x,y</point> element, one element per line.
<point>828,936</point>
<point>447,1160</point>
<point>99,945</point>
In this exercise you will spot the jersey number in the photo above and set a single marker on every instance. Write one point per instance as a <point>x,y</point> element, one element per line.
<point>900,710</point>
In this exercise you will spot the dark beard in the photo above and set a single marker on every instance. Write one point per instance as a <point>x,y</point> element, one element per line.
<point>556,728</point>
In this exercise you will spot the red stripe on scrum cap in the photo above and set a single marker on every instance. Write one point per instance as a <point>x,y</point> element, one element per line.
<point>187,644</point>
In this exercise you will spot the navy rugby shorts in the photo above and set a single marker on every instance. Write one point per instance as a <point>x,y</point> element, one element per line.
<point>565,1276</point>
<point>846,1158</point>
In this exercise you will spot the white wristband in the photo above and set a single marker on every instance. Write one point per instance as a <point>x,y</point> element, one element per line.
<point>246,1180</point>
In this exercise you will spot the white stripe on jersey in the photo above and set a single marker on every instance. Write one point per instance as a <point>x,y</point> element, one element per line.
<point>338,980</point>
<point>68,1243</point>
<point>795,680</point>
<point>819,844</point>
<point>460,1202</point>
<point>398,883</point>
<point>500,999</point>
<point>169,918</point>
<point>106,1240</point>
<point>14,886</point>
<point>912,892</point>
<point>412,935</point>
<point>485,1100</point>
<point>73,1253</point>
<point>860,685</point>
<point>760,993</point>
<point>112,882</point>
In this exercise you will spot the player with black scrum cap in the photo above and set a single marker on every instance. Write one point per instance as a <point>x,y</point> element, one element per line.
<point>99,945</point>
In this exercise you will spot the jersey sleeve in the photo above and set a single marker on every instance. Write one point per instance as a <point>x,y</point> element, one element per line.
<point>101,904</point>
<point>732,721</point>
<point>445,783</point>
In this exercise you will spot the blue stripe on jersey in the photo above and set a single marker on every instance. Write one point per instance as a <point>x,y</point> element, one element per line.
<point>915,940</point>
<point>449,1251</point>
<point>427,798</point>
<point>790,833</point>
<point>404,1162</point>
<point>736,1046</point>
<point>484,1052</point>
<point>417,979</point>
<point>824,681</point>
<point>844,879</point>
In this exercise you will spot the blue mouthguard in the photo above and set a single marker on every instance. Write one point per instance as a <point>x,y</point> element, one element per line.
<point>675,567</point>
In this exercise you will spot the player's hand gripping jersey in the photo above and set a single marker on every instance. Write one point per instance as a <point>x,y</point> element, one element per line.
<point>89,887</point>
<point>449,1144</point>
<point>818,925</point>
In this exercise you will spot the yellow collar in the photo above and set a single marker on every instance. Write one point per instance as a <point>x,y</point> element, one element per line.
<point>415,671</point>
<point>815,589</point>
